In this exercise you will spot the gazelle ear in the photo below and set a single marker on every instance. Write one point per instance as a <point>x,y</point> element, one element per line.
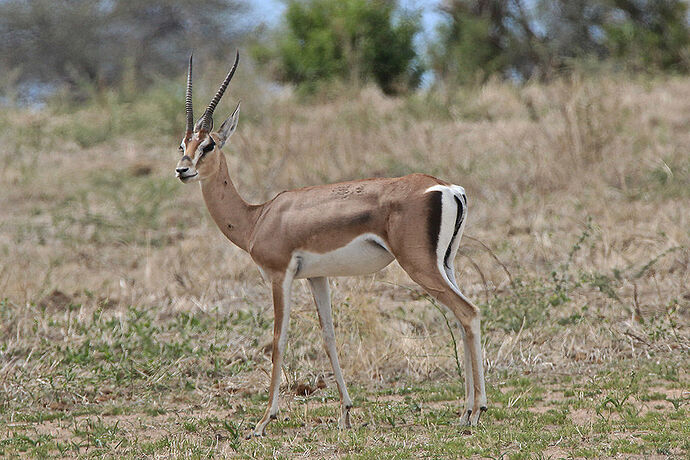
<point>228,127</point>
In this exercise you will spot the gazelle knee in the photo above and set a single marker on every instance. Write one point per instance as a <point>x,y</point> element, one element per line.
<point>470,321</point>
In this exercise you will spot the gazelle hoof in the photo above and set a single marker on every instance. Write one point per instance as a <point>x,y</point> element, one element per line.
<point>344,422</point>
<point>465,419</point>
<point>474,419</point>
<point>260,429</point>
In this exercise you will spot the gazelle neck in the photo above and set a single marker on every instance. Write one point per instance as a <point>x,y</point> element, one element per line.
<point>234,216</point>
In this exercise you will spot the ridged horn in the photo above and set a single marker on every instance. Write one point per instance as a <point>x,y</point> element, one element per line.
<point>188,99</point>
<point>206,121</point>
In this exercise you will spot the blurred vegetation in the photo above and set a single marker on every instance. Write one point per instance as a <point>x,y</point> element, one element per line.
<point>93,47</point>
<point>522,39</point>
<point>355,40</point>
<point>650,34</point>
<point>78,44</point>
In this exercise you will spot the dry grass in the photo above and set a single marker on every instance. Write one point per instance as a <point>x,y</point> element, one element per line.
<point>114,277</point>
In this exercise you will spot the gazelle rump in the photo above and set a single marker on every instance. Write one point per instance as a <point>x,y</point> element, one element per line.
<point>343,229</point>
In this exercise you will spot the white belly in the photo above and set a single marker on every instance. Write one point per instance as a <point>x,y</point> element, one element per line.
<point>365,254</point>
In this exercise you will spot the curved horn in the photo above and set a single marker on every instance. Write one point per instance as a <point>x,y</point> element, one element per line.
<point>208,114</point>
<point>188,99</point>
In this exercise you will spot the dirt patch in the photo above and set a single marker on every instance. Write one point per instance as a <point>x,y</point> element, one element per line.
<point>582,416</point>
<point>670,393</point>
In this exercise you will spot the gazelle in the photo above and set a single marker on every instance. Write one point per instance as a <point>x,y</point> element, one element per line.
<point>344,229</point>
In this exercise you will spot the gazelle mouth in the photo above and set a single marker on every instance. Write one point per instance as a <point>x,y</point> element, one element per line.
<point>186,178</point>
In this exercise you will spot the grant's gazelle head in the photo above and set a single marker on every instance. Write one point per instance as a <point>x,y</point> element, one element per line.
<point>200,147</point>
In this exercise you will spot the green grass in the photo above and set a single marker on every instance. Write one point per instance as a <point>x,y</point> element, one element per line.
<point>137,385</point>
<point>393,427</point>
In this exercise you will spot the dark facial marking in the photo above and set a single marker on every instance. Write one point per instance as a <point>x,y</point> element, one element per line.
<point>208,147</point>
<point>434,222</point>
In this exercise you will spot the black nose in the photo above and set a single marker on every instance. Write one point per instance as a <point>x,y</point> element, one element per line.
<point>181,170</point>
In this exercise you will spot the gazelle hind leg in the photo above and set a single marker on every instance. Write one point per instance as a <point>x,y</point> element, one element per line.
<point>322,297</point>
<point>473,392</point>
<point>469,381</point>
<point>438,286</point>
<point>468,316</point>
<point>433,271</point>
<point>480,386</point>
<point>469,378</point>
<point>476,391</point>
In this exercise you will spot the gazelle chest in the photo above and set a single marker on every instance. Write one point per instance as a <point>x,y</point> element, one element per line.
<point>365,254</point>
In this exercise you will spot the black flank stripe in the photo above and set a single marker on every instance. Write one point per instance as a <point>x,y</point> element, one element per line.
<point>377,245</point>
<point>434,227</point>
<point>361,218</point>
<point>458,222</point>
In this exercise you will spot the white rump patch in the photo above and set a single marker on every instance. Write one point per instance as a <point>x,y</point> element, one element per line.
<point>449,212</point>
<point>458,189</point>
<point>455,189</point>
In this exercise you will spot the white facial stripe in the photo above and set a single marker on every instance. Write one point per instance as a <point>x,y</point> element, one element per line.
<point>204,144</point>
<point>200,148</point>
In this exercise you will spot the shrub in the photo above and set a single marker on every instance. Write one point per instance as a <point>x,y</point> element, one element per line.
<point>350,40</point>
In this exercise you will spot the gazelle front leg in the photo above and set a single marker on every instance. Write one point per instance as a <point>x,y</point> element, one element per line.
<point>322,297</point>
<point>281,309</point>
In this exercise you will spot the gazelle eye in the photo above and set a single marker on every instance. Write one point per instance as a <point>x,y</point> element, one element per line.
<point>208,147</point>
<point>181,148</point>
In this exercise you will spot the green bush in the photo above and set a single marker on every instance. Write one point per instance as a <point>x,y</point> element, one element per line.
<point>349,40</point>
<point>651,35</point>
<point>525,39</point>
<point>465,51</point>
